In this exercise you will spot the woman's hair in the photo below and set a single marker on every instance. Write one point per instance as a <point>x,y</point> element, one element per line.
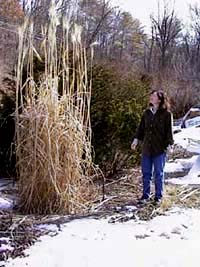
<point>164,101</point>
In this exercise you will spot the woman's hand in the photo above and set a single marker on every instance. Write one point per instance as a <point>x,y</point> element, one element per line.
<point>134,144</point>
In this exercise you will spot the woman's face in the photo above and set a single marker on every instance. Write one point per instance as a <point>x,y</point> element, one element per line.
<point>153,99</point>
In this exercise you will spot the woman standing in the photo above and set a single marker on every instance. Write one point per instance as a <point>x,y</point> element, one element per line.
<point>155,134</point>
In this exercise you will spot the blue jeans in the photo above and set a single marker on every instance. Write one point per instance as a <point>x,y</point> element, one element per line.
<point>156,164</point>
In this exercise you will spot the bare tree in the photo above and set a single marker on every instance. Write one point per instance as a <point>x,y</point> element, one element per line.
<point>11,15</point>
<point>195,16</point>
<point>166,30</point>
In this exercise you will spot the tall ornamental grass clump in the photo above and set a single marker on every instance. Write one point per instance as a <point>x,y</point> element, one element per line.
<point>53,132</point>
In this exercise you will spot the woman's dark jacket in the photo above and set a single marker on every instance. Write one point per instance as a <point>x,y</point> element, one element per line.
<point>155,131</point>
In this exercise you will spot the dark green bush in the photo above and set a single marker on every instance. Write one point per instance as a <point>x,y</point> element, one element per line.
<point>116,108</point>
<point>7,132</point>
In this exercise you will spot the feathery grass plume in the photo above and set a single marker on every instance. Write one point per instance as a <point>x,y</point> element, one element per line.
<point>53,132</point>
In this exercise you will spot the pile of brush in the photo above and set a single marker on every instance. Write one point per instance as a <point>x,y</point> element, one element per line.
<point>53,132</point>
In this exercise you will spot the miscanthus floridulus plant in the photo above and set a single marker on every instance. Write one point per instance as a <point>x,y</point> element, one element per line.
<point>53,132</point>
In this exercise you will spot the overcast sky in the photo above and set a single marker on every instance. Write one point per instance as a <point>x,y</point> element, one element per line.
<point>142,9</point>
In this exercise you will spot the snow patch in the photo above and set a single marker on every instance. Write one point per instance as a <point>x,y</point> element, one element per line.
<point>5,204</point>
<point>47,227</point>
<point>4,248</point>
<point>180,165</point>
<point>171,167</point>
<point>186,138</point>
<point>192,178</point>
<point>89,243</point>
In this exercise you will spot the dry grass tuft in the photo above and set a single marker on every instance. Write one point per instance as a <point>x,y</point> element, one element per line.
<point>53,136</point>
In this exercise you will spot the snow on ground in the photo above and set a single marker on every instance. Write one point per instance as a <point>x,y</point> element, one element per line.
<point>180,165</point>
<point>192,178</point>
<point>186,136</point>
<point>5,204</point>
<point>5,245</point>
<point>189,139</point>
<point>4,248</point>
<point>165,241</point>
